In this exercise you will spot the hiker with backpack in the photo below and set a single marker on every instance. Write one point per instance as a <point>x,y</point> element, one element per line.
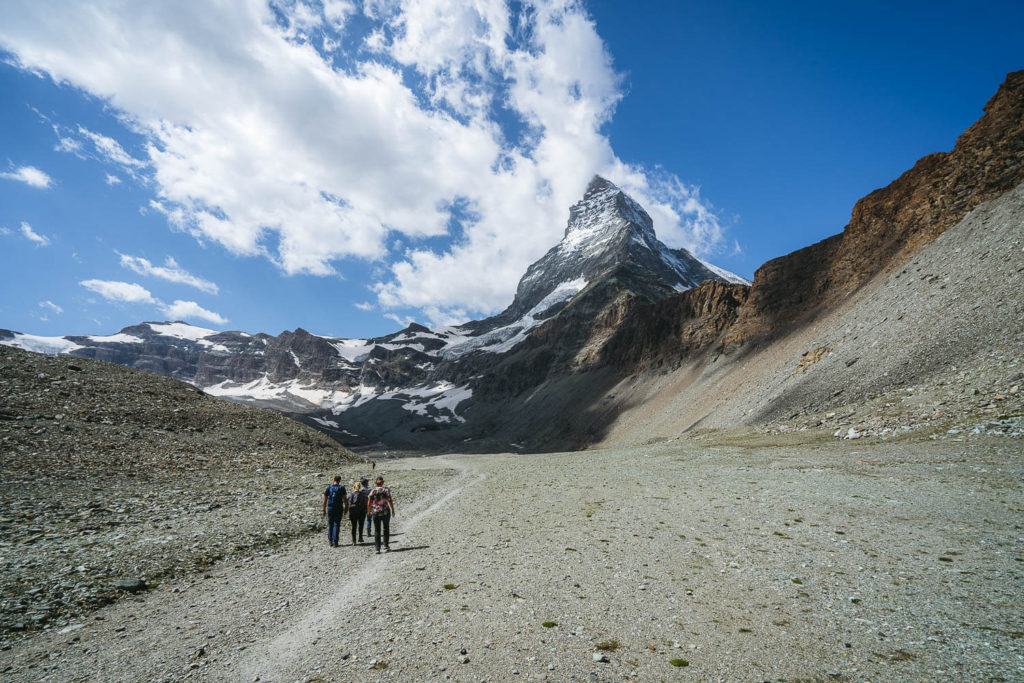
<point>357,502</point>
<point>381,508</point>
<point>334,509</point>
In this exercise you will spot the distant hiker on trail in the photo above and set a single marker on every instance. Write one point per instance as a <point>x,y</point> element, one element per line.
<point>365,483</point>
<point>334,509</point>
<point>357,501</point>
<point>381,509</point>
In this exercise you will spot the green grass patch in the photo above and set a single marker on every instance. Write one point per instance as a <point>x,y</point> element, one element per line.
<point>678,662</point>
<point>608,645</point>
<point>449,586</point>
<point>548,624</point>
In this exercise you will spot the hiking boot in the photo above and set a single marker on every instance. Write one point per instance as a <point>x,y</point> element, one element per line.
<point>387,549</point>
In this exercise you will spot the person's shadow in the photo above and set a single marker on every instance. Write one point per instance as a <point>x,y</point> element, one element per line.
<point>412,547</point>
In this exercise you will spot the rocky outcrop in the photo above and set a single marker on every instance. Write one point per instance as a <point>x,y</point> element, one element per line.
<point>656,335</point>
<point>893,222</point>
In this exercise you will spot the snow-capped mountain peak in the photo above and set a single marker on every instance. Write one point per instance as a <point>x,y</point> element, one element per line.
<point>607,229</point>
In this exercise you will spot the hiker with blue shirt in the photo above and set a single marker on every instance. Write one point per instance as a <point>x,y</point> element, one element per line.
<point>335,503</point>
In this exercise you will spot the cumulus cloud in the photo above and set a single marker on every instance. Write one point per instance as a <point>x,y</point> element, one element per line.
<point>113,179</point>
<point>288,131</point>
<point>182,310</point>
<point>33,236</point>
<point>133,293</point>
<point>170,271</point>
<point>124,292</point>
<point>30,175</point>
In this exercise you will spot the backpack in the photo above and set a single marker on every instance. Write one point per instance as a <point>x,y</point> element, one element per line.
<point>333,497</point>
<point>379,502</point>
<point>354,500</point>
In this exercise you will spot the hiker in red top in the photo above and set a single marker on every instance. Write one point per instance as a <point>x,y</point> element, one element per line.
<point>381,510</point>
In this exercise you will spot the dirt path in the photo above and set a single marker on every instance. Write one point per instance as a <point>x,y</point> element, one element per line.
<point>818,561</point>
<point>301,634</point>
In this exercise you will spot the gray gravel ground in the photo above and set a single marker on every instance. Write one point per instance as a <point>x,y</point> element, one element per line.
<point>800,560</point>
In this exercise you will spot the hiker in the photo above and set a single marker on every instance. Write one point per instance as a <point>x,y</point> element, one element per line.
<point>381,509</point>
<point>334,509</point>
<point>357,510</point>
<point>365,483</point>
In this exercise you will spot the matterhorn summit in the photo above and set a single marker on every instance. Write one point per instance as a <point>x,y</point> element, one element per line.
<point>608,229</point>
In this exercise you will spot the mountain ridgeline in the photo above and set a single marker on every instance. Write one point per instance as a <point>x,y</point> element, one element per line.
<point>606,318</point>
<point>428,389</point>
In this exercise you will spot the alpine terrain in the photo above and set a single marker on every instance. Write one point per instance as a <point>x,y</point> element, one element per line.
<point>487,383</point>
<point>813,476</point>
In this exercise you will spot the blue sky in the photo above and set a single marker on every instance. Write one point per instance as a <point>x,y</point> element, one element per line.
<point>350,166</point>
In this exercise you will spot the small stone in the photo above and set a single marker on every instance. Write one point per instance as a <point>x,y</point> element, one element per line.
<point>600,657</point>
<point>855,600</point>
<point>463,651</point>
<point>130,585</point>
<point>465,660</point>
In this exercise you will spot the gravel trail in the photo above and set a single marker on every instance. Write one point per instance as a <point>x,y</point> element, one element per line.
<point>811,560</point>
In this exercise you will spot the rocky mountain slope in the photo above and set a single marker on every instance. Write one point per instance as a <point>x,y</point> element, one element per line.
<point>113,479</point>
<point>429,389</point>
<point>926,332</point>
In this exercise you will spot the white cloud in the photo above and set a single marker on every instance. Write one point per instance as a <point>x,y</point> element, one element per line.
<point>364,306</point>
<point>181,310</point>
<point>30,234</point>
<point>30,175</point>
<point>280,134</point>
<point>114,290</point>
<point>132,293</point>
<point>110,149</point>
<point>113,179</point>
<point>51,306</point>
<point>170,271</point>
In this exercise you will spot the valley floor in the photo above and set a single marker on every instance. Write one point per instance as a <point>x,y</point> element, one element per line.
<point>830,560</point>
